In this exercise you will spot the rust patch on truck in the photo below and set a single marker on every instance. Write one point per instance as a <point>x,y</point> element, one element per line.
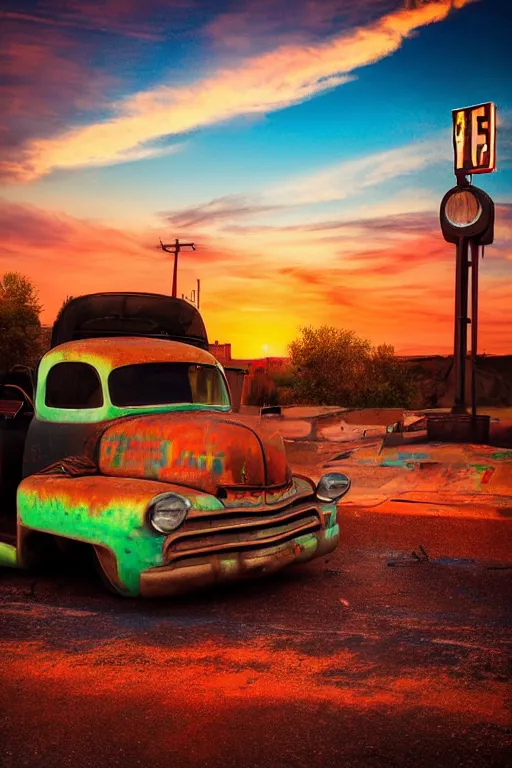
<point>131,350</point>
<point>205,451</point>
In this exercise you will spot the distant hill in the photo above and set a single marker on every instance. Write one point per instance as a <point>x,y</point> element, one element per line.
<point>436,375</point>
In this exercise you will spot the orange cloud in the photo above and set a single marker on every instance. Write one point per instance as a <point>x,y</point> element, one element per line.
<point>392,283</point>
<point>64,255</point>
<point>274,80</point>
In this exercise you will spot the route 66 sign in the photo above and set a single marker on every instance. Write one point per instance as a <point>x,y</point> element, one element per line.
<point>474,139</point>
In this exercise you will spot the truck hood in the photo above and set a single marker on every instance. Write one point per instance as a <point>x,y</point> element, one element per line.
<point>205,451</point>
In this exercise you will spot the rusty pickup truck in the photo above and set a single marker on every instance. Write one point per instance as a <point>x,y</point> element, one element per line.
<point>125,443</point>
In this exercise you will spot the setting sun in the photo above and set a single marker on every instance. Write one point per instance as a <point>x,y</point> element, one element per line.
<point>305,156</point>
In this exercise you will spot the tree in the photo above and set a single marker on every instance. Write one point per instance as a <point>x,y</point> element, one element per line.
<point>261,390</point>
<point>337,367</point>
<point>330,365</point>
<point>20,327</point>
<point>17,288</point>
<point>390,382</point>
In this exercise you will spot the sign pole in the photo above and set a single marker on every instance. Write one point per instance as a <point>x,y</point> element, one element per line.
<point>467,221</point>
<point>474,322</point>
<point>461,325</point>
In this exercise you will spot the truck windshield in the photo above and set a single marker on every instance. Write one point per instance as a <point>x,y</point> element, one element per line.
<point>165,383</point>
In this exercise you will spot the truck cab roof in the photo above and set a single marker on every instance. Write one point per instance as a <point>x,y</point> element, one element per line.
<point>110,353</point>
<point>98,379</point>
<point>116,314</point>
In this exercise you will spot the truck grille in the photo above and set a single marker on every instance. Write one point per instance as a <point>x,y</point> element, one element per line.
<point>237,530</point>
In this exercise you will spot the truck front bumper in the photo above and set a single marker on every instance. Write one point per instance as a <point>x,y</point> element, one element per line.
<point>189,575</point>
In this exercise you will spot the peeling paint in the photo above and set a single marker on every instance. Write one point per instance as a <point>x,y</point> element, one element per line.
<point>206,451</point>
<point>235,476</point>
<point>101,511</point>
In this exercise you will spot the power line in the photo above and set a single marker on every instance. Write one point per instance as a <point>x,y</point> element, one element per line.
<point>175,249</point>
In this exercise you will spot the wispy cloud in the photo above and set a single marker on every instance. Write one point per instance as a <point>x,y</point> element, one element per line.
<point>219,210</point>
<point>252,27</point>
<point>60,65</point>
<point>128,18</point>
<point>285,76</point>
<point>348,178</point>
<point>45,77</point>
<point>65,255</point>
<point>47,80</point>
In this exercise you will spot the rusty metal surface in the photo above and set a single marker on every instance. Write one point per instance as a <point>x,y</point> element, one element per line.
<point>198,450</point>
<point>110,513</point>
<point>224,530</point>
<point>298,488</point>
<point>127,351</point>
<point>427,479</point>
<point>72,466</point>
<point>225,567</point>
<point>103,511</point>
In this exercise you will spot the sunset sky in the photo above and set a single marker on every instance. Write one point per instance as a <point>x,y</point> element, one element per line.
<point>304,147</point>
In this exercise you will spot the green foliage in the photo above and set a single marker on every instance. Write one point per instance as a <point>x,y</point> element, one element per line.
<point>286,396</point>
<point>20,327</point>
<point>284,379</point>
<point>261,390</point>
<point>337,367</point>
<point>18,289</point>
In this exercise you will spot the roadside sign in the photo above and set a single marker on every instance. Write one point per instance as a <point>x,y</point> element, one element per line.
<point>467,220</point>
<point>474,139</point>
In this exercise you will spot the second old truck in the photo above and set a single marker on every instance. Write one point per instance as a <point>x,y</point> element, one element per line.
<point>127,444</point>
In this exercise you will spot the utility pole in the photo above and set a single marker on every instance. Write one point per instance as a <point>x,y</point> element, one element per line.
<point>175,249</point>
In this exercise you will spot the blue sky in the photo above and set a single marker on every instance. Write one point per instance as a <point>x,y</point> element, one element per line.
<point>277,141</point>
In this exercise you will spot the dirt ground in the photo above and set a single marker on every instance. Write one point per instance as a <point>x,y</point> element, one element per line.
<point>394,650</point>
<point>369,658</point>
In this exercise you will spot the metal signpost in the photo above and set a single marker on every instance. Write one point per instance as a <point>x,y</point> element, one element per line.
<point>467,220</point>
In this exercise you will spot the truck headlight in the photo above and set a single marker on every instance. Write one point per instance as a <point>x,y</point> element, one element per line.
<point>332,486</point>
<point>167,511</point>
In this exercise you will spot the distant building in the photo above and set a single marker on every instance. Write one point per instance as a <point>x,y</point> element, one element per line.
<point>252,366</point>
<point>222,352</point>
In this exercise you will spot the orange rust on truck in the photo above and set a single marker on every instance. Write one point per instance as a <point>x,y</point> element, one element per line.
<point>207,451</point>
<point>131,351</point>
<point>167,487</point>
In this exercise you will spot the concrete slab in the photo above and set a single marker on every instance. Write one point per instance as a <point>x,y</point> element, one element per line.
<point>294,429</point>
<point>311,411</point>
<point>422,479</point>
<point>343,432</point>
